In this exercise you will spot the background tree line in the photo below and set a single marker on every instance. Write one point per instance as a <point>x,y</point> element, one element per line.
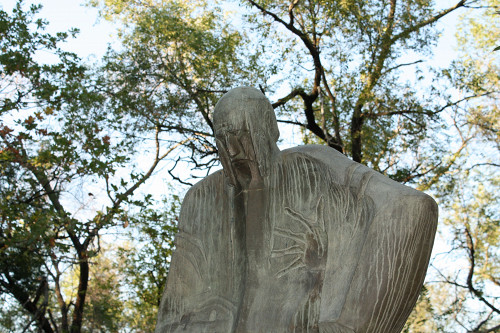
<point>84,247</point>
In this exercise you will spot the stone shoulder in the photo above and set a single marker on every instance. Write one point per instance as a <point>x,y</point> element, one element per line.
<point>213,178</point>
<point>354,174</point>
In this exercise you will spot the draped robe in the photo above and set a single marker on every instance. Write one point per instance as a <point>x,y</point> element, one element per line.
<point>323,245</point>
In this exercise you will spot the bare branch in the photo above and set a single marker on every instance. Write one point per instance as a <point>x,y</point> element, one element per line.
<point>336,120</point>
<point>290,11</point>
<point>312,48</point>
<point>146,176</point>
<point>472,263</point>
<point>478,327</point>
<point>211,91</point>
<point>401,65</point>
<point>181,129</point>
<point>462,100</point>
<point>482,164</point>
<point>51,318</point>
<point>441,109</point>
<point>294,93</point>
<point>175,177</point>
<point>292,122</point>
<point>493,329</point>
<point>427,22</point>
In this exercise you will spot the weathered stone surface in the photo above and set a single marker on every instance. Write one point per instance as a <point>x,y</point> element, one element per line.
<point>300,240</point>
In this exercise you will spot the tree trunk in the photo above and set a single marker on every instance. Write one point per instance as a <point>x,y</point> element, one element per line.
<point>76,324</point>
<point>356,126</point>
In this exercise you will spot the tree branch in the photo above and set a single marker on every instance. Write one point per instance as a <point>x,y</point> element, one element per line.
<point>23,298</point>
<point>431,20</point>
<point>292,122</point>
<point>401,65</point>
<point>313,50</point>
<point>290,11</point>
<point>146,176</point>
<point>472,264</point>
<point>482,164</point>
<point>336,120</point>
<point>477,329</point>
<point>282,101</point>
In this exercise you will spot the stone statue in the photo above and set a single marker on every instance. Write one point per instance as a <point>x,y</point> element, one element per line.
<point>300,240</point>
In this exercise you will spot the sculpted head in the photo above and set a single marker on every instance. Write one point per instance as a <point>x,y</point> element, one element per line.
<point>246,133</point>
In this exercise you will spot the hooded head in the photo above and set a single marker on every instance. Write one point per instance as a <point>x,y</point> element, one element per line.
<point>246,132</point>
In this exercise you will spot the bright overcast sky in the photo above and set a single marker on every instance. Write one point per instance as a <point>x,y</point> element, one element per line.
<point>62,15</point>
<point>95,34</point>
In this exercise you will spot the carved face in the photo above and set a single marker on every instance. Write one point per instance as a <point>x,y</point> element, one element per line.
<point>246,133</point>
<point>237,144</point>
<point>237,154</point>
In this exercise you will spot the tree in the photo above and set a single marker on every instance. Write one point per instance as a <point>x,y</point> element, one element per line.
<point>352,98</point>
<point>104,309</point>
<point>58,146</point>
<point>349,74</point>
<point>178,57</point>
<point>464,295</point>
<point>145,261</point>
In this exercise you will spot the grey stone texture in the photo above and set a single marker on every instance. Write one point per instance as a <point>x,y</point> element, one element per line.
<point>300,240</point>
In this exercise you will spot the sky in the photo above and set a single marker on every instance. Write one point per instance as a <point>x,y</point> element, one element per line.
<point>62,15</point>
<point>96,33</point>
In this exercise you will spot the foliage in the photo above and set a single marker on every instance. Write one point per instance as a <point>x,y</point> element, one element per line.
<point>476,226</point>
<point>462,291</point>
<point>465,294</point>
<point>31,226</point>
<point>350,69</point>
<point>422,317</point>
<point>177,57</point>
<point>58,145</point>
<point>75,141</point>
<point>365,93</point>
<point>349,74</point>
<point>145,261</point>
<point>104,309</point>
